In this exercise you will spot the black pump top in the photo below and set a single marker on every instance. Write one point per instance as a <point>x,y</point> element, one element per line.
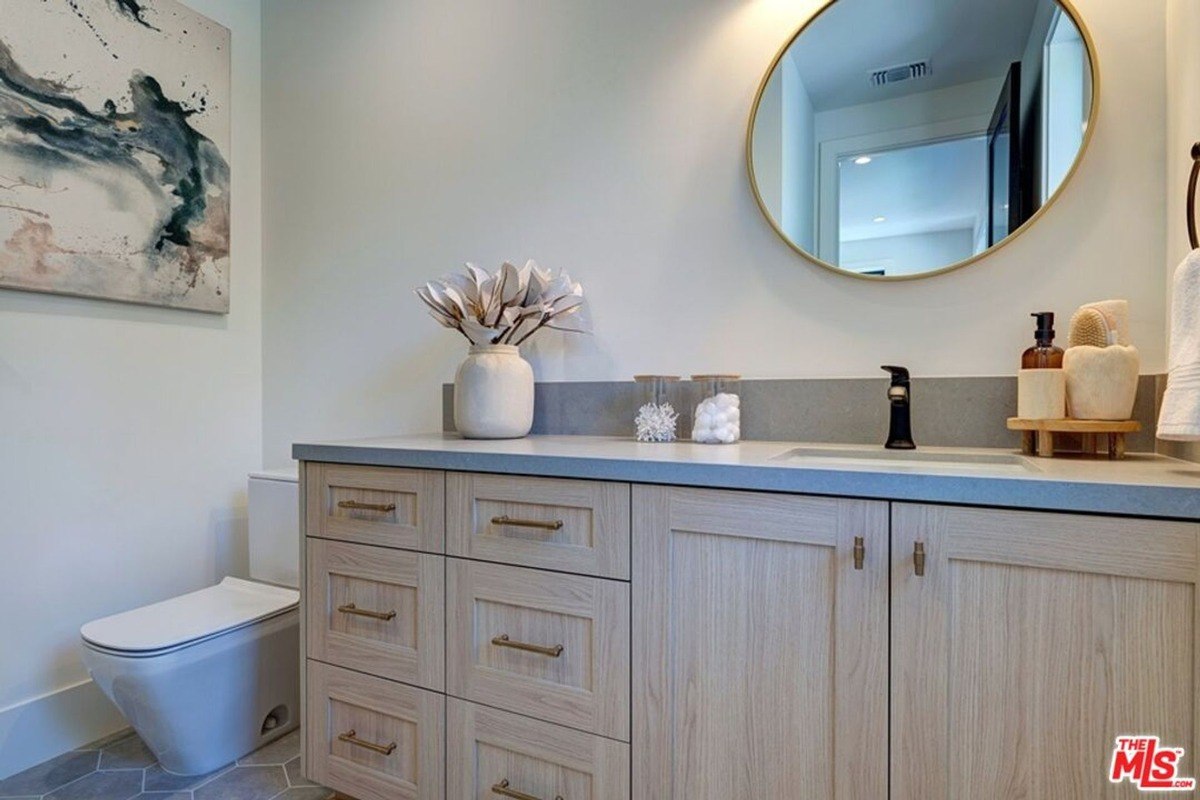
<point>1045,327</point>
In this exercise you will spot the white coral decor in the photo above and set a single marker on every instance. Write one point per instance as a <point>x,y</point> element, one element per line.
<point>656,423</point>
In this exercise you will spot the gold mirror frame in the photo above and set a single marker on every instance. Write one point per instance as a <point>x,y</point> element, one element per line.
<point>1094,64</point>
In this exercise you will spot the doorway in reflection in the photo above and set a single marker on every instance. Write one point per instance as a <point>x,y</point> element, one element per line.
<point>903,209</point>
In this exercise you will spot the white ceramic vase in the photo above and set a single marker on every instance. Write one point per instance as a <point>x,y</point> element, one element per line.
<point>493,393</point>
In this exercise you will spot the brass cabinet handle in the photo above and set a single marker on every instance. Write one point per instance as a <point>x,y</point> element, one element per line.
<point>351,738</point>
<point>860,552</point>
<point>502,789</point>
<point>383,508</point>
<point>350,608</point>
<point>554,651</point>
<point>528,523</point>
<point>919,559</point>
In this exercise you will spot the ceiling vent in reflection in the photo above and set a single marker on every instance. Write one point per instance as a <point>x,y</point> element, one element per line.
<point>905,72</point>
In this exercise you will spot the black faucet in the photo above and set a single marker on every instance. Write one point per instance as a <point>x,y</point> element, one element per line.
<point>899,395</point>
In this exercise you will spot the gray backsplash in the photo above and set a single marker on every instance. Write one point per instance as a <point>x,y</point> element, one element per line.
<point>947,412</point>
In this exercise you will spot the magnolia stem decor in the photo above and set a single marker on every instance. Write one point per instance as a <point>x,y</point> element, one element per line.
<point>498,312</point>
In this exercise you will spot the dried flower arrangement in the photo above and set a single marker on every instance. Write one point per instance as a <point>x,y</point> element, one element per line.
<point>508,306</point>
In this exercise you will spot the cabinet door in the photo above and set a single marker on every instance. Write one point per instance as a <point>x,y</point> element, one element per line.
<point>760,649</point>
<point>1030,643</point>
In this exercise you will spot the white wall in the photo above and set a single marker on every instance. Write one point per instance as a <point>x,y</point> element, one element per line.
<point>127,436</point>
<point>799,158</point>
<point>784,153</point>
<point>922,109</point>
<point>905,255</point>
<point>1032,65</point>
<point>1183,129</point>
<point>608,138</point>
<point>767,146</point>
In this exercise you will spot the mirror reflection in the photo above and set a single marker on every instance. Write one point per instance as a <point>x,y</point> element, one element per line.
<point>894,140</point>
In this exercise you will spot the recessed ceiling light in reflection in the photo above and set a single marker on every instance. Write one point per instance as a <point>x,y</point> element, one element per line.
<point>862,161</point>
<point>880,219</point>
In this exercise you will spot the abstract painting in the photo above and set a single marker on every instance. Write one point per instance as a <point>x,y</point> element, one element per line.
<point>114,148</point>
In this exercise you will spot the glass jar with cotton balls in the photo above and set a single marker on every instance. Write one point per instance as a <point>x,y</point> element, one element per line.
<point>718,418</point>
<point>656,420</point>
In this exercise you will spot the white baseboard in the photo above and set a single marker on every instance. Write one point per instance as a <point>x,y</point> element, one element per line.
<point>41,728</point>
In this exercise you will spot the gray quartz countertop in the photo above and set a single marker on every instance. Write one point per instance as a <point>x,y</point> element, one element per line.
<point>1141,485</point>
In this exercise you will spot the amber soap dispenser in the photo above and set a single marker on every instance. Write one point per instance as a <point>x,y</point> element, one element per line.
<point>1043,355</point>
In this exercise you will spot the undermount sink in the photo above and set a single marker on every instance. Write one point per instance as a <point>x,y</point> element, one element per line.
<point>866,456</point>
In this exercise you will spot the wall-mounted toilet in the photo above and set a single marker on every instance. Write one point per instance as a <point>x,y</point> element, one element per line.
<point>209,676</point>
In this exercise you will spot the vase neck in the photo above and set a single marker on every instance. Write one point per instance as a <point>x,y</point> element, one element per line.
<point>494,349</point>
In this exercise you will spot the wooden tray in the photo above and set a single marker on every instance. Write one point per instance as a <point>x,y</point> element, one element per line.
<point>1038,434</point>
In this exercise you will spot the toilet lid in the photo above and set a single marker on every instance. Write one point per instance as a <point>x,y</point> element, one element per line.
<point>232,603</point>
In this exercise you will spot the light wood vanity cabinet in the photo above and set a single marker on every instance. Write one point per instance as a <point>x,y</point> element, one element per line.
<point>552,646</point>
<point>1031,641</point>
<point>760,648</point>
<point>378,611</point>
<point>548,523</point>
<point>670,643</point>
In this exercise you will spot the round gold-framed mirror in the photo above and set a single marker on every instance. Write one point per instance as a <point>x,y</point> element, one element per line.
<point>891,144</point>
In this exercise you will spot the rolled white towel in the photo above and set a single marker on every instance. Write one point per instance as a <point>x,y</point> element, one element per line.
<point>1117,314</point>
<point>1179,418</point>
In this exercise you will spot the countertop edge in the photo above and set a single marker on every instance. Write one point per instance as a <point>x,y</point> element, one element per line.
<point>1165,502</point>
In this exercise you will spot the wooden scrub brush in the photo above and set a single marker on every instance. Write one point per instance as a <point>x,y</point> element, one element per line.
<point>1089,327</point>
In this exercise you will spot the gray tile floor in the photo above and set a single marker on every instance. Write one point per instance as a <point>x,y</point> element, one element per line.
<point>121,767</point>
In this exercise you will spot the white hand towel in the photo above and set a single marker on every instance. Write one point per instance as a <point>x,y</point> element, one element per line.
<point>1180,415</point>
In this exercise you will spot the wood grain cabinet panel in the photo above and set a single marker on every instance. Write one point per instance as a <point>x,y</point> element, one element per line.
<point>374,739</point>
<point>550,523</point>
<point>760,647</point>
<point>490,750</point>
<point>1032,641</point>
<point>376,505</point>
<point>377,610</point>
<point>550,646</point>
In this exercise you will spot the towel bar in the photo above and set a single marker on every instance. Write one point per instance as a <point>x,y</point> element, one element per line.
<point>1193,237</point>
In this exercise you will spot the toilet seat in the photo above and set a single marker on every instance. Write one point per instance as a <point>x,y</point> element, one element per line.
<point>188,619</point>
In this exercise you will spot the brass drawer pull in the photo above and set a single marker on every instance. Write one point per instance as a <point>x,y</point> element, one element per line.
<point>382,508</point>
<point>350,608</point>
<point>351,738</point>
<point>919,559</point>
<point>528,523</point>
<point>554,651</point>
<point>502,789</point>
<point>860,552</point>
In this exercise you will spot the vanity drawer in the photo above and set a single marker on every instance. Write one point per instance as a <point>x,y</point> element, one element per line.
<point>377,610</point>
<point>489,750</point>
<point>377,505</point>
<point>550,523</point>
<point>373,739</point>
<point>550,646</point>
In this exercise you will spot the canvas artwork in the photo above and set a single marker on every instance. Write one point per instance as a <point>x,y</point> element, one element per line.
<point>114,151</point>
